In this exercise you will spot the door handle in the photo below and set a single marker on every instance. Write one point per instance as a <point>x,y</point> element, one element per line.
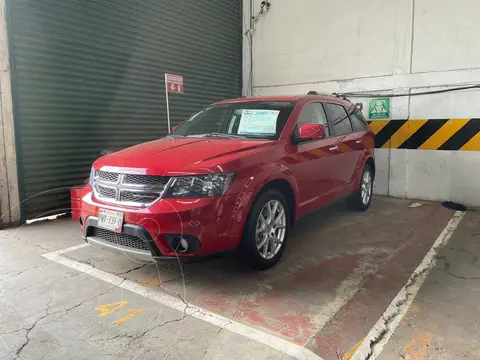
<point>358,141</point>
<point>334,148</point>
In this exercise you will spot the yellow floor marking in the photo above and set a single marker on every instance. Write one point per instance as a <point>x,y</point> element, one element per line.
<point>443,134</point>
<point>348,355</point>
<point>338,227</point>
<point>417,348</point>
<point>131,313</point>
<point>411,312</point>
<point>473,144</point>
<point>377,125</point>
<point>173,302</point>
<point>401,135</point>
<point>108,309</point>
<point>150,282</point>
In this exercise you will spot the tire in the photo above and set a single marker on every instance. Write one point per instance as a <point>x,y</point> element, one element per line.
<point>360,201</point>
<point>249,252</point>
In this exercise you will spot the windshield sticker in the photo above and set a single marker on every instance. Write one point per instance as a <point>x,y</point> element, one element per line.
<point>258,122</point>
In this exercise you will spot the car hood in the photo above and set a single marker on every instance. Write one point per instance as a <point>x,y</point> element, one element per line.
<point>177,156</point>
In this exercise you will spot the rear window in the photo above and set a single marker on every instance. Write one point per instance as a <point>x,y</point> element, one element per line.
<point>338,118</point>
<point>358,122</point>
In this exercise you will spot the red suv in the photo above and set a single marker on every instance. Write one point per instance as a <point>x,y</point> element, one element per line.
<point>234,176</point>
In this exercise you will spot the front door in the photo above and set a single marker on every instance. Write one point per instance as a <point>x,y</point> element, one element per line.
<point>311,162</point>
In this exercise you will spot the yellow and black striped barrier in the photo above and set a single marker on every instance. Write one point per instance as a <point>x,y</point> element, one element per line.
<point>431,134</point>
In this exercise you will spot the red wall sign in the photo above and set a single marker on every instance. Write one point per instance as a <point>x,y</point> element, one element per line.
<point>174,83</point>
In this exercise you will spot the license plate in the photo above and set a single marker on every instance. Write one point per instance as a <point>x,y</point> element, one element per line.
<point>110,220</point>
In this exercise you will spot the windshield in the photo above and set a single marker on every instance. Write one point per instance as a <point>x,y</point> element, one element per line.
<point>247,120</point>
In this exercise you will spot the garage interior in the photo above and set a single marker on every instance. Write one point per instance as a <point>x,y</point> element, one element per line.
<point>398,281</point>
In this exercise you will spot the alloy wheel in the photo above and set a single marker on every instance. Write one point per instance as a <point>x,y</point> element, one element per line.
<point>366,187</point>
<point>270,229</point>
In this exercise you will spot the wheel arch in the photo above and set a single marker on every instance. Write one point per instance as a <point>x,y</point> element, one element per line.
<point>370,162</point>
<point>366,159</point>
<point>287,191</point>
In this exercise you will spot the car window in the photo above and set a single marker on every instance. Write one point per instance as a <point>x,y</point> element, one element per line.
<point>238,120</point>
<point>314,114</point>
<point>339,119</point>
<point>357,120</point>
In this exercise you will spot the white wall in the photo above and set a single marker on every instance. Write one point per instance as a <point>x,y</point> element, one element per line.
<point>392,46</point>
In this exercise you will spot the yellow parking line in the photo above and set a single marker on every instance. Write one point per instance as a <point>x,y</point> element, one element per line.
<point>349,354</point>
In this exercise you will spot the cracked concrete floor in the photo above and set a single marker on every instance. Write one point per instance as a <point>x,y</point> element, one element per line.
<point>341,271</point>
<point>443,322</point>
<point>48,311</point>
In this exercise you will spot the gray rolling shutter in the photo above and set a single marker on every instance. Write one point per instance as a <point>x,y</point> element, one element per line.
<point>89,75</point>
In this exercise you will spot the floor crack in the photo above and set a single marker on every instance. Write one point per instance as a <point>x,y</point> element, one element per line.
<point>446,269</point>
<point>129,271</point>
<point>141,335</point>
<point>66,311</point>
<point>387,323</point>
<point>25,270</point>
<point>210,343</point>
<point>30,328</point>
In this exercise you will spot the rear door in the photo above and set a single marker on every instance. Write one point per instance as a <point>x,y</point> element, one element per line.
<point>348,156</point>
<point>357,140</point>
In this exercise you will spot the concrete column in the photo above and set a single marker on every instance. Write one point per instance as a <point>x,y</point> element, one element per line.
<point>247,48</point>
<point>9,194</point>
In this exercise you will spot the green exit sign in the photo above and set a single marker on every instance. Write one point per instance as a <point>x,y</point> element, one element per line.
<point>379,108</point>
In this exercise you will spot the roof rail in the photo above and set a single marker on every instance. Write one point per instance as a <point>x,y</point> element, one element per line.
<point>337,95</point>
<point>341,96</point>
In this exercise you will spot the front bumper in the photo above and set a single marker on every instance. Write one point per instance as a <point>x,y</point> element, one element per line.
<point>128,229</point>
<point>214,225</point>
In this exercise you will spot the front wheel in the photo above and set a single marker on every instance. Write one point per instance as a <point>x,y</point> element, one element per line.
<point>360,200</point>
<point>266,230</point>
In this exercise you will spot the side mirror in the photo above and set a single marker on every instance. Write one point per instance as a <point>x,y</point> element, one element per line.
<point>308,132</point>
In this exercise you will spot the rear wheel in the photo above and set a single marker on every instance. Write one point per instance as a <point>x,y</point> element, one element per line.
<point>266,230</point>
<point>360,200</point>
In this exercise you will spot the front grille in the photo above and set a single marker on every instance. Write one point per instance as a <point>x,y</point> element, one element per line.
<point>107,176</point>
<point>153,181</point>
<point>105,192</point>
<point>129,189</point>
<point>120,239</point>
<point>138,197</point>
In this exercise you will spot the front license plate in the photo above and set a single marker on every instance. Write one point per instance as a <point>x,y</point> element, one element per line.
<point>110,220</point>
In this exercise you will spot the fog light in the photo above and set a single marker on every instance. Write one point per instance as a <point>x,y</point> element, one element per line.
<point>180,245</point>
<point>184,244</point>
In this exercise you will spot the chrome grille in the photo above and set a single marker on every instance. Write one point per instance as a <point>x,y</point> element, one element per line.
<point>154,181</point>
<point>139,197</point>
<point>107,176</point>
<point>129,189</point>
<point>105,192</point>
<point>120,239</point>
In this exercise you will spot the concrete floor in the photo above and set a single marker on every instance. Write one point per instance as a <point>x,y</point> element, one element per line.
<point>340,272</point>
<point>443,322</point>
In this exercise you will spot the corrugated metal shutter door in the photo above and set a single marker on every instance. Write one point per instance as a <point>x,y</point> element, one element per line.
<point>89,76</point>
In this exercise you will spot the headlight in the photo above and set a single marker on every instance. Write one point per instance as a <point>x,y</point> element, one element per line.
<point>199,186</point>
